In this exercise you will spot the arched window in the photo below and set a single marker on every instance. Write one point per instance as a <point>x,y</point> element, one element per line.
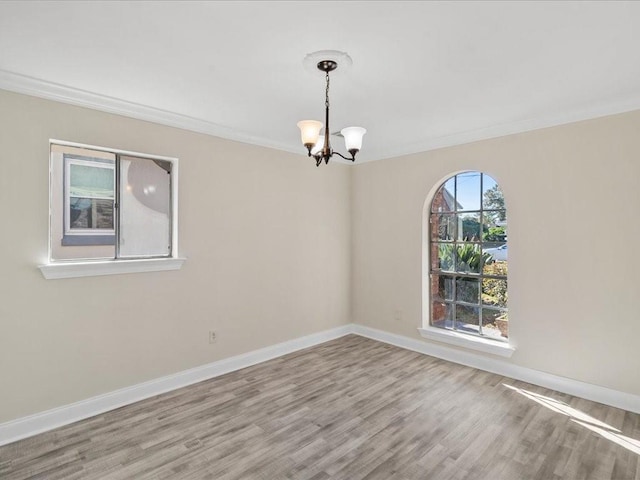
<point>468,257</point>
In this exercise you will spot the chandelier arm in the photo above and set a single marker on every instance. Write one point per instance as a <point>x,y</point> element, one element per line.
<point>310,129</point>
<point>352,158</point>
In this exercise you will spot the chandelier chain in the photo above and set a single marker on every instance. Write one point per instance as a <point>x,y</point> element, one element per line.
<point>326,101</point>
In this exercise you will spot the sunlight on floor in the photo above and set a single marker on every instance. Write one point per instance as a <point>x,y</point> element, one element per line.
<point>581,418</point>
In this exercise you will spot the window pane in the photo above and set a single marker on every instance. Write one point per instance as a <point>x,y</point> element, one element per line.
<point>494,323</point>
<point>468,193</point>
<point>145,213</point>
<point>494,229</point>
<point>442,287</point>
<point>468,290</point>
<point>82,185</point>
<point>442,314</point>
<point>467,319</point>
<point>494,291</point>
<point>492,196</point>
<point>498,252</point>
<point>444,199</point>
<point>92,181</point>
<point>443,257</point>
<point>489,315</point>
<point>90,213</point>
<point>468,258</point>
<point>443,227</point>
<point>469,227</point>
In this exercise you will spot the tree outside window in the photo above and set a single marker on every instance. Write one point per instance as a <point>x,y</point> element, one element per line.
<point>468,256</point>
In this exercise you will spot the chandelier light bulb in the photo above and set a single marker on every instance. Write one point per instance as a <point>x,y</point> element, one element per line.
<point>353,138</point>
<point>309,131</point>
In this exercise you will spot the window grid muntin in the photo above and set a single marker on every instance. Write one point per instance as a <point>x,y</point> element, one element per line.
<point>456,274</point>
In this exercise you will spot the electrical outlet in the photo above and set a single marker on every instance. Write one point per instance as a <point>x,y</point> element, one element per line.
<point>212,336</point>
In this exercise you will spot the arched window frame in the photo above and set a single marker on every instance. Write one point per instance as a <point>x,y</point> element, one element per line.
<point>485,343</point>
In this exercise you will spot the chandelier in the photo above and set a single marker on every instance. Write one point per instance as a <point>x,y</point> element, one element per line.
<point>320,147</point>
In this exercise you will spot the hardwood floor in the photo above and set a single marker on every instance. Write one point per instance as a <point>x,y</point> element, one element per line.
<point>352,408</point>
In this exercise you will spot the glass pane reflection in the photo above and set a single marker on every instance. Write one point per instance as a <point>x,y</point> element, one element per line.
<point>445,259</point>
<point>442,314</point>
<point>442,287</point>
<point>467,319</point>
<point>468,194</point>
<point>468,290</point>
<point>469,227</point>
<point>443,227</point>
<point>444,199</point>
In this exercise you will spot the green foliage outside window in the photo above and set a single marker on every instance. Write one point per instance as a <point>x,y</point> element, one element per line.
<point>469,257</point>
<point>494,234</point>
<point>494,291</point>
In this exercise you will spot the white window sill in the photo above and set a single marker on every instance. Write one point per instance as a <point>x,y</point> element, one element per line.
<point>56,270</point>
<point>494,347</point>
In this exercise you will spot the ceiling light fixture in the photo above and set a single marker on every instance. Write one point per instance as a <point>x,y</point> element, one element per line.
<point>320,148</point>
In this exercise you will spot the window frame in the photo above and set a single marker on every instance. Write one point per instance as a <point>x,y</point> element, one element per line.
<point>71,268</point>
<point>484,343</point>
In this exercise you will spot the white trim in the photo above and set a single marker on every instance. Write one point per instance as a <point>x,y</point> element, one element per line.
<point>115,151</point>
<point>61,93</point>
<point>91,268</point>
<point>596,393</point>
<point>501,130</point>
<point>36,87</point>
<point>480,344</point>
<point>175,178</point>
<point>41,422</point>
<point>57,417</point>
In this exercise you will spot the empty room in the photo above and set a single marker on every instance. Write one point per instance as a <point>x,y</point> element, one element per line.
<point>321,240</point>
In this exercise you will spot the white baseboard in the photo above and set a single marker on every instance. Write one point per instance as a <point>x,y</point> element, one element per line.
<point>607,396</point>
<point>41,422</point>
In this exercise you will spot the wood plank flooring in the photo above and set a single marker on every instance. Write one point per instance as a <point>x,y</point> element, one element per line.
<point>349,409</point>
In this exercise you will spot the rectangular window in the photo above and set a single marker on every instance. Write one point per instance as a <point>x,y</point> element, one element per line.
<point>109,204</point>
<point>89,200</point>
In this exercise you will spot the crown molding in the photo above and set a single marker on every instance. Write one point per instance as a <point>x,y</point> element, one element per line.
<point>62,93</point>
<point>512,128</point>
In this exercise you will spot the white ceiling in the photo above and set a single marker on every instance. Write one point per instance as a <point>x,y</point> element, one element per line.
<point>424,74</point>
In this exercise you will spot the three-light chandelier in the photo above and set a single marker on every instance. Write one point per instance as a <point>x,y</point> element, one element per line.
<point>320,147</point>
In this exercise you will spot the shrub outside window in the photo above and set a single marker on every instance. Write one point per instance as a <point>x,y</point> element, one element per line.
<point>468,257</point>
